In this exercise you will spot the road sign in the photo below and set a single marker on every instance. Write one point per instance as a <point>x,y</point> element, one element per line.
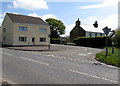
<point>106,30</point>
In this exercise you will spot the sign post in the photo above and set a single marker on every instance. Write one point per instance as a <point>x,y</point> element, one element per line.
<point>106,31</point>
<point>49,43</point>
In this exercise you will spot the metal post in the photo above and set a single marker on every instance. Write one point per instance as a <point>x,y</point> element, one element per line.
<point>49,46</point>
<point>112,50</point>
<point>106,47</point>
<point>113,47</point>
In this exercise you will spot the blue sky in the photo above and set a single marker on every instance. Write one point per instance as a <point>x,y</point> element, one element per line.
<point>105,12</point>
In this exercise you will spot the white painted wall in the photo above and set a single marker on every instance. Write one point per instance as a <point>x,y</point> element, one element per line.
<point>93,34</point>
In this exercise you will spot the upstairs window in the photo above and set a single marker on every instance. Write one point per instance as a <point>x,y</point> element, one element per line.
<point>4,29</point>
<point>42,30</point>
<point>22,28</point>
<point>22,39</point>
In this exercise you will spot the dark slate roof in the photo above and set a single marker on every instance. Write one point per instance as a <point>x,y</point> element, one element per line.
<point>26,19</point>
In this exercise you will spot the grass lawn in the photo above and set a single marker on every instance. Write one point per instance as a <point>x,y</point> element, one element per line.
<point>112,59</point>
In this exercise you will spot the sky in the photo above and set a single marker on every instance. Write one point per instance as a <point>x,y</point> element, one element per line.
<point>68,11</point>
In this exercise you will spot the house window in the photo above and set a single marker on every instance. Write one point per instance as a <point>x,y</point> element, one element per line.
<point>22,28</point>
<point>4,38</point>
<point>42,39</point>
<point>42,29</point>
<point>100,34</point>
<point>4,29</point>
<point>90,34</point>
<point>95,34</point>
<point>22,39</point>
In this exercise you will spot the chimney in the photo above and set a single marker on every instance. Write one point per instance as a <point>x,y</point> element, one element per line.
<point>78,22</point>
<point>95,24</point>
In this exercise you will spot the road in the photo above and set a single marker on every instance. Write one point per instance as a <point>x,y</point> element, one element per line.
<point>25,67</point>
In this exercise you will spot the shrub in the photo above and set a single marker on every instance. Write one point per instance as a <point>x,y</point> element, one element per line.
<point>93,41</point>
<point>55,41</point>
<point>117,38</point>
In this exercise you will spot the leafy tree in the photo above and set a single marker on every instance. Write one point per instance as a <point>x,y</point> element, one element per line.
<point>117,37</point>
<point>57,27</point>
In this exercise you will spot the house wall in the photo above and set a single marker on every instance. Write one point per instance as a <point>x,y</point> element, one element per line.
<point>0,35</point>
<point>93,34</point>
<point>77,32</point>
<point>32,31</point>
<point>8,35</point>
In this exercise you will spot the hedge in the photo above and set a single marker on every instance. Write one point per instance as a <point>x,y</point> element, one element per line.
<point>55,41</point>
<point>97,42</point>
<point>117,38</point>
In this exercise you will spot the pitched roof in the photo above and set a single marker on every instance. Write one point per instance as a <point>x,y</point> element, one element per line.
<point>91,28</point>
<point>26,19</point>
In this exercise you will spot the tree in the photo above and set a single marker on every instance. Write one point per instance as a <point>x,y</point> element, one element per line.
<point>57,27</point>
<point>117,37</point>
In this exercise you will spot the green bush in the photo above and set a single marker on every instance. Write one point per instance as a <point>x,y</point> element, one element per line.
<point>117,38</point>
<point>93,41</point>
<point>55,41</point>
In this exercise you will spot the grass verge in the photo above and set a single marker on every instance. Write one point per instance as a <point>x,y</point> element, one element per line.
<point>111,59</point>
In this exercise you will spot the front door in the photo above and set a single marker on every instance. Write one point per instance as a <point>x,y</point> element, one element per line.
<point>33,41</point>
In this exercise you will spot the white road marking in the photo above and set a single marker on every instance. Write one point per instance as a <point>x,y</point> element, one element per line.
<point>89,61</point>
<point>85,49</point>
<point>76,60</point>
<point>85,54</point>
<point>61,57</point>
<point>51,55</point>
<point>93,76</point>
<point>7,53</point>
<point>89,53</point>
<point>69,58</point>
<point>82,54</point>
<point>35,61</point>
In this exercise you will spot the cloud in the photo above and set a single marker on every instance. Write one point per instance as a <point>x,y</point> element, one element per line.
<point>30,4</point>
<point>111,21</point>
<point>34,15</point>
<point>106,3</point>
<point>44,17</point>
<point>91,20</point>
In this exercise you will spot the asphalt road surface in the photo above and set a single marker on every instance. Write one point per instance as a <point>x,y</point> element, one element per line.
<point>23,67</point>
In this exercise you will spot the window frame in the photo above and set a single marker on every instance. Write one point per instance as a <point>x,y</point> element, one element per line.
<point>23,28</point>
<point>4,30</point>
<point>43,39</point>
<point>22,39</point>
<point>43,30</point>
